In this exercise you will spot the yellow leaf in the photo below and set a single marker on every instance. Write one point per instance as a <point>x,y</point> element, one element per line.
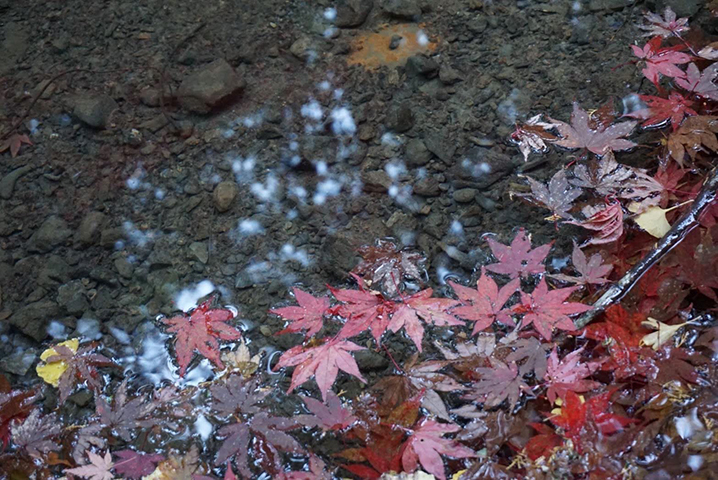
<point>653,221</point>
<point>51,372</point>
<point>663,332</point>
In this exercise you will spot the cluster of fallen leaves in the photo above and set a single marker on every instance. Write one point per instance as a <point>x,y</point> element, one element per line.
<point>481,379</point>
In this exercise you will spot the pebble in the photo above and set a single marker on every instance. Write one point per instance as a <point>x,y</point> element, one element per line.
<point>88,232</point>
<point>352,13</point>
<point>400,118</point>
<point>210,87</point>
<point>224,194</point>
<point>94,110</point>
<point>416,153</point>
<point>50,234</point>
<point>465,195</point>
<point>200,251</point>
<point>7,184</point>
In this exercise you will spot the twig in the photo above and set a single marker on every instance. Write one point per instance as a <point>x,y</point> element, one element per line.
<point>689,220</point>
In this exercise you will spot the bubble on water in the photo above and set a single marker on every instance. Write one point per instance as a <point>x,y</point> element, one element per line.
<point>312,110</point>
<point>88,328</point>
<point>159,194</point>
<point>326,189</point>
<point>576,6</point>
<point>338,93</point>
<point>57,330</point>
<point>322,168</point>
<point>298,191</point>
<point>343,122</point>
<point>32,125</point>
<point>443,274</point>
<point>228,133</point>
<point>188,298</point>
<point>632,103</point>
<point>252,121</point>
<point>507,110</point>
<point>395,170</point>
<point>121,336</point>
<point>421,38</point>
<point>330,14</point>
<point>695,462</point>
<point>289,253</point>
<point>266,191</point>
<point>390,139</point>
<point>559,263</point>
<point>248,227</point>
<point>324,85</point>
<point>203,427</point>
<point>136,236</point>
<point>293,146</point>
<point>456,228</point>
<point>292,214</point>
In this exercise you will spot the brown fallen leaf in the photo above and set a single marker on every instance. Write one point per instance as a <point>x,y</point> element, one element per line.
<point>14,143</point>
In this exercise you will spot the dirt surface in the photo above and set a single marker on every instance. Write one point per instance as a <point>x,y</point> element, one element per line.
<point>284,139</point>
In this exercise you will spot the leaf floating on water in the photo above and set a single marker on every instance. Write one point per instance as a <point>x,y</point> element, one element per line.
<point>52,371</point>
<point>663,332</point>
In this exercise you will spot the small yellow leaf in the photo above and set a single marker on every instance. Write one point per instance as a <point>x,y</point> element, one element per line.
<point>51,372</point>
<point>663,332</point>
<point>653,221</point>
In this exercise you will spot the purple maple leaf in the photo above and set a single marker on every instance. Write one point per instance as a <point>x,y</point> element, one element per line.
<point>599,140</point>
<point>131,464</point>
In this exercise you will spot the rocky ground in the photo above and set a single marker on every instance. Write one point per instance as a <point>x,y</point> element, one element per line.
<point>257,144</point>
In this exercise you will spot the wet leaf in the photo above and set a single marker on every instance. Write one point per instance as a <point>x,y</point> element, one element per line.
<point>518,259</point>
<point>363,310</point>
<point>425,446</point>
<point>199,332</point>
<point>532,353</point>
<point>98,468</point>
<point>702,83</point>
<point>331,415</point>
<point>323,362</point>
<point>606,220</point>
<point>696,135</point>
<point>659,110</point>
<point>533,136</point>
<point>666,26</point>
<point>661,60</point>
<point>309,315</point>
<point>485,304</point>
<point>132,464</point>
<point>592,271</point>
<point>558,196</point>
<point>497,383</point>
<point>599,140</point>
<point>81,367</point>
<point>421,305</point>
<point>37,434</point>
<point>569,375</point>
<point>386,268</point>
<point>52,371</point>
<point>14,143</point>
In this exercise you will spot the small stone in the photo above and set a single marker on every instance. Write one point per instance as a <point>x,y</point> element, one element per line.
<point>376,181</point>
<point>400,118</point>
<point>224,194</point>
<point>421,65</point>
<point>416,153</point>
<point>94,110</point>
<point>19,362</point>
<point>210,87</point>
<point>395,42</point>
<point>90,227</point>
<point>7,184</point>
<point>406,9</point>
<point>304,48</point>
<point>72,296</point>
<point>51,233</point>
<point>441,145</point>
<point>448,75</point>
<point>200,251</point>
<point>465,195</point>
<point>124,267</point>
<point>352,13</point>
<point>427,187</point>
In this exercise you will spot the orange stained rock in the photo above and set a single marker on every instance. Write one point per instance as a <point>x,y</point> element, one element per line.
<point>371,49</point>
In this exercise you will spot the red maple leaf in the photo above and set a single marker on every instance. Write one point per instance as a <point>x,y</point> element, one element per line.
<point>309,315</point>
<point>518,259</point>
<point>597,138</point>
<point>362,309</point>
<point>323,362</point>
<point>592,271</point>
<point>331,415</point>
<point>485,304</point>
<point>661,110</point>
<point>621,333</point>
<point>425,446</point>
<point>431,310</point>
<point>15,406</point>
<point>568,375</point>
<point>199,331</point>
<point>547,309</point>
<point>606,220</point>
<point>661,60</point>
<point>14,143</point>
<point>576,414</point>
<point>542,444</point>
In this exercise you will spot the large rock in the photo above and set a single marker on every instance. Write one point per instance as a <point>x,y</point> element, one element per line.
<point>352,13</point>
<point>210,87</point>
<point>33,318</point>
<point>406,9</point>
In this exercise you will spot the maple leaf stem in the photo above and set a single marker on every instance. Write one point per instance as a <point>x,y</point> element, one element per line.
<point>679,230</point>
<point>396,365</point>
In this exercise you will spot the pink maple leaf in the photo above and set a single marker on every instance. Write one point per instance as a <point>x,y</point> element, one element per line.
<point>98,468</point>
<point>199,331</point>
<point>431,310</point>
<point>309,315</point>
<point>606,220</point>
<point>661,60</point>
<point>592,271</point>
<point>363,309</point>
<point>132,464</point>
<point>547,309</point>
<point>425,446</point>
<point>599,140</point>
<point>323,362</point>
<point>665,26</point>
<point>330,415</point>
<point>518,259</point>
<point>569,375</point>
<point>701,83</point>
<point>485,304</point>
<point>14,143</point>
